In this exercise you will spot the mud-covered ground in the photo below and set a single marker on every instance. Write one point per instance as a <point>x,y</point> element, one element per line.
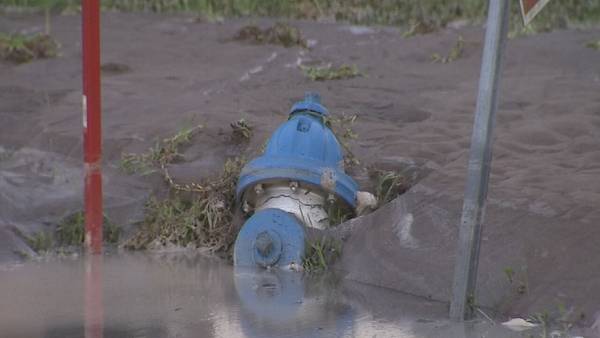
<point>542,218</point>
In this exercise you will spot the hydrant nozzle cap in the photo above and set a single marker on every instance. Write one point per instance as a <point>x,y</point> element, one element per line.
<point>311,102</point>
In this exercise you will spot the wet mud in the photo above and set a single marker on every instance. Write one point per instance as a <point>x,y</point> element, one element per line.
<point>413,115</point>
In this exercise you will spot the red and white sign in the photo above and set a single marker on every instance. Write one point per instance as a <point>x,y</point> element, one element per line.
<point>531,8</point>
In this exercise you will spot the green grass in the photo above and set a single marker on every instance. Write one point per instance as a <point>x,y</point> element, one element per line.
<point>321,254</point>
<point>328,72</point>
<point>279,34</point>
<point>197,214</point>
<point>202,220</point>
<point>389,184</point>
<point>338,213</point>
<point>509,272</point>
<point>19,48</point>
<point>40,242</point>
<point>343,129</point>
<point>455,52</point>
<point>418,16</point>
<point>163,153</point>
<point>593,45</point>
<point>71,230</point>
<point>241,131</point>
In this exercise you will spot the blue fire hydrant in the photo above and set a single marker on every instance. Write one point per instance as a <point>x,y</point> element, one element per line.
<point>291,186</point>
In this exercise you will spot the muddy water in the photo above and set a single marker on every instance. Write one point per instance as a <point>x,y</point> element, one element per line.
<point>183,296</point>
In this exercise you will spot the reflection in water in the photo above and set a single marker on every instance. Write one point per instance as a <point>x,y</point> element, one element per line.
<point>275,303</point>
<point>151,296</point>
<point>93,307</point>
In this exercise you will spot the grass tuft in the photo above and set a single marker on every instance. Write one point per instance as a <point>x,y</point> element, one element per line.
<point>389,184</point>
<point>279,34</point>
<point>421,26</point>
<point>329,72</point>
<point>202,217</point>
<point>40,242</point>
<point>343,129</point>
<point>593,45</point>
<point>241,131</point>
<point>19,48</point>
<point>455,52</point>
<point>321,254</point>
<point>203,220</point>
<point>338,214</point>
<point>157,157</point>
<point>71,230</point>
<point>420,16</point>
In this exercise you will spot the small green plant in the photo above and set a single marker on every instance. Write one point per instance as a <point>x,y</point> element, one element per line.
<point>111,232</point>
<point>471,303</point>
<point>343,128</point>
<point>202,220</point>
<point>389,184</point>
<point>279,34</point>
<point>22,254</point>
<point>71,230</point>
<point>40,241</point>
<point>167,151</point>
<point>241,131</point>
<point>510,274</point>
<point>517,279</point>
<point>320,254</point>
<point>420,16</point>
<point>136,163</point>
<point>455,52</point>
<point>420,26</point>
<point>593,44</point>
<point>20,48</point>
<point>157,157</point>
<point>338,214</point>
<point>328,72</point>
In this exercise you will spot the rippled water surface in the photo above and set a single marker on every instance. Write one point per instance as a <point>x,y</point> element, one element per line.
<point>182,296</point>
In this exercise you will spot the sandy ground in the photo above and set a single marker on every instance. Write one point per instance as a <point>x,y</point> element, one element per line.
<point>544,191</point>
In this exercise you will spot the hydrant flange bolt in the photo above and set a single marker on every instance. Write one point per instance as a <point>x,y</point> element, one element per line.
<point>331,198</point>
<point>294,186</point>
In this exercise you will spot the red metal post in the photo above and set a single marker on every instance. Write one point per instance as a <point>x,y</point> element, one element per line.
<point>92,132</point>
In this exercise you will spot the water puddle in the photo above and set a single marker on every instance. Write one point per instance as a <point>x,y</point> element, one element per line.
<point>140,295</point>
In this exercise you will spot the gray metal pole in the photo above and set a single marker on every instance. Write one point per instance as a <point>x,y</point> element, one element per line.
<point>465,269</point>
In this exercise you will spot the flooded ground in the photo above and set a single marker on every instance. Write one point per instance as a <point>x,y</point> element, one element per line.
<point>541,220</point>
<point>181,296</point>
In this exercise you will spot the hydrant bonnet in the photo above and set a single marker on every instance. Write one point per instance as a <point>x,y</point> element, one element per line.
<point>303,149</point>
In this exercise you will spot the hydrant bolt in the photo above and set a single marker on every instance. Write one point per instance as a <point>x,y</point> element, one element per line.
<point>331,199</point>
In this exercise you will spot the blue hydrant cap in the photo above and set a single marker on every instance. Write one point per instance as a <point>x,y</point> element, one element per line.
<point>270,237</point>
<point>311,102</point>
